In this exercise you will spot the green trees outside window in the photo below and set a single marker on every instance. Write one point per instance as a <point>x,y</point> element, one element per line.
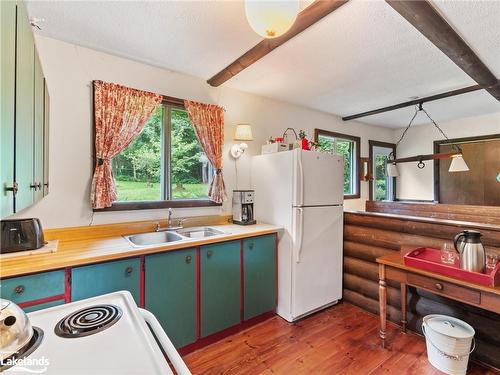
<point>164,162</point>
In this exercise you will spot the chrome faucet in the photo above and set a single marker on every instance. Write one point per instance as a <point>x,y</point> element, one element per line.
<point>169,223</point>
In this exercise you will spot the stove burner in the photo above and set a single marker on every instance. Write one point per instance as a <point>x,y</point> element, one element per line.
<point>88,321</point>
<point>29,348</point>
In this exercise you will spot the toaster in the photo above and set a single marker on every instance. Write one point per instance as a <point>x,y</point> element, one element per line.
<point>20,235</point>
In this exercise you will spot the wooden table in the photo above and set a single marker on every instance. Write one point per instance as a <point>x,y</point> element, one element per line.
<point>392,267</point>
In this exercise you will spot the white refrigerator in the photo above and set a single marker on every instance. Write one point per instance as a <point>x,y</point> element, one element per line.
<point>303,192</point>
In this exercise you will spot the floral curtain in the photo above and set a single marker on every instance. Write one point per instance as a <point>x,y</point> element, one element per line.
<point>208,124</point>
<point>120,114</point>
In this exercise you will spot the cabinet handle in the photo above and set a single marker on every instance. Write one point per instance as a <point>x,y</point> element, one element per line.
<point>14,188</point>
<point>189,258</point>
<point>19,289</point>
<point>209,253</point>
<point>128,271</point>
<point>36,186</point>
<point>439,286</point>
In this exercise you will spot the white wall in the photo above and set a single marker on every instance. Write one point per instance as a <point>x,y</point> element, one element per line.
<point>414,183</point>
<point>69,70</point>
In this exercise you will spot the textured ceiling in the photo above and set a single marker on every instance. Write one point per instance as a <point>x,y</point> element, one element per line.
<point>361,57</point>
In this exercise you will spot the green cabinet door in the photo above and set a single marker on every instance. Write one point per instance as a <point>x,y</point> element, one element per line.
<point>7,95</point>
<point>259,270</point>
<point>171,293</point>
<point>97,279</point>
<point>25,51</point>
<point>220,286</point>
<point>38,136</point>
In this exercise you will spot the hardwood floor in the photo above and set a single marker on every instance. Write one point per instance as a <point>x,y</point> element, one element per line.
<point>340,340</point>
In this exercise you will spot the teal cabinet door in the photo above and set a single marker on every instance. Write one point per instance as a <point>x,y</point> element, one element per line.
<point>25,51</point>
<point>259,270</point>
<point>38,135</point>
<point>97,279</point>
<point>171,293</point>
<point>220,286</point>
<point>42,306</point>
<point>7,97</point>
<point>32,287</point>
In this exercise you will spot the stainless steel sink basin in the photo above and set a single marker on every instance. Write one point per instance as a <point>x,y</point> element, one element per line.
<point>199,232</point>
<point>153,238</point>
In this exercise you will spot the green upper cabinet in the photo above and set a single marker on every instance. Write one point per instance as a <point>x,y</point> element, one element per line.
<point>38,135</point>
<point>220,286</point>
<point>24,113</point>
<point>171,293</point>
<point>7,105</point>
<point>103,278</point>
<point>25,86</point>
<point>259,259</point>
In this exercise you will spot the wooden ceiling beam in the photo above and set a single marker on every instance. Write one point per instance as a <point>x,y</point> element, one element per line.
<point>309,16</point>
<point>413,102</point>
<point>422,15</point>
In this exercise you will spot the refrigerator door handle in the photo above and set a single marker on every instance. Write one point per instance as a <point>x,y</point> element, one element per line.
<point>301,178</point>
<point>300,229</point>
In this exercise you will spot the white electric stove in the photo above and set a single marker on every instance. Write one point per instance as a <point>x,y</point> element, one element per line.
<point>107,335</point>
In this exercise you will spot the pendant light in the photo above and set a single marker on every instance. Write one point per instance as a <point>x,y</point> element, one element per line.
<point>273,18</point>
<point>458,163</point>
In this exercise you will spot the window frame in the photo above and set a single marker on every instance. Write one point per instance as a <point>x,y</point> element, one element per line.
<point>357,162</point>
<point>371,145</point>
<point>165,165</point>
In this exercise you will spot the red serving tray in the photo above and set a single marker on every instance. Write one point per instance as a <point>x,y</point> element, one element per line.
<point>428,259</point>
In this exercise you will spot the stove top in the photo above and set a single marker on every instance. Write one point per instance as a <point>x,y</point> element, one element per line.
<point>88,321</point>
<point>108,336</point>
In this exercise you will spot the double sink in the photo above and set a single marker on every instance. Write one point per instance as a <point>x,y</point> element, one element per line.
<point>168,236</point>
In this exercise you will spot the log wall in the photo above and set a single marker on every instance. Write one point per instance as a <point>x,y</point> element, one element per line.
<point>481,214</point>
<point>368,236</point>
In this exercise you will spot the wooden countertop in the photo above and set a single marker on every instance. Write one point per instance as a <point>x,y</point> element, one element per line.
<point>396,260</point>
<point>92,248</point>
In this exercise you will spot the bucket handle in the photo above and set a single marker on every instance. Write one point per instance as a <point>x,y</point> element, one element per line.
<point>444,354</point>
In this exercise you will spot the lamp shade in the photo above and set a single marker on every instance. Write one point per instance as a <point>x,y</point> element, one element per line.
<point>243,132</point>
<point>271,18</point>
<point>392,170</point>
<point>458,164</point>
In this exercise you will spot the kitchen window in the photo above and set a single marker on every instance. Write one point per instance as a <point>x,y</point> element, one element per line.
<point>347,146</point>
<point>382,187</point>
<point>164,166</point>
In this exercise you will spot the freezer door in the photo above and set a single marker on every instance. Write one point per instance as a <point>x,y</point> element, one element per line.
<point>318,179</point>
<point>317,258</point>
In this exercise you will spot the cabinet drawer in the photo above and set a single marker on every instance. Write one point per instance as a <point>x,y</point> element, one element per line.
<point>444,288</point>
<point>32,287</point>
<point>103,278</point>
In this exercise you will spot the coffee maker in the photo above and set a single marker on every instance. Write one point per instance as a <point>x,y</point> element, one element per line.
<point>243,207</point>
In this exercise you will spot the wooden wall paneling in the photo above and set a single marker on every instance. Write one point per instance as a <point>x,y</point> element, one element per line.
<point>492,173</point>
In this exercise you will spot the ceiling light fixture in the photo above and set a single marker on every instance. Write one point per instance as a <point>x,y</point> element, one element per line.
<point>271,18</point>
<point>458,163</point>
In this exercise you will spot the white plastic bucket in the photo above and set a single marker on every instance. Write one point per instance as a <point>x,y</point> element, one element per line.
<point>448,343</point>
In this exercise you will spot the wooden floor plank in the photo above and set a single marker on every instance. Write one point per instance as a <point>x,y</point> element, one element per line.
<point>340,340</point>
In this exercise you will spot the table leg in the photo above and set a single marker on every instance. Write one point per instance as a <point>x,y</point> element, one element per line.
<point>403,308</point>
<point>382,295</point>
